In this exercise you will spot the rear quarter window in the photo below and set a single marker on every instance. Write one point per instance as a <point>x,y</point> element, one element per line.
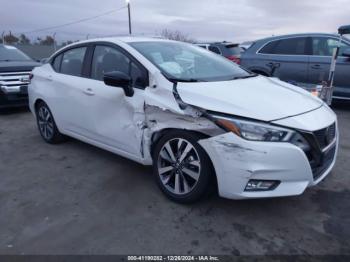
<point>56,64</point>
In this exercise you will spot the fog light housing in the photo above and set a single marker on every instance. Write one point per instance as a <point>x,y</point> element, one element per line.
<point>261,185</point>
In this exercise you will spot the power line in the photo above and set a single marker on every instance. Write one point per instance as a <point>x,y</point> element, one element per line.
<point>74,22</point>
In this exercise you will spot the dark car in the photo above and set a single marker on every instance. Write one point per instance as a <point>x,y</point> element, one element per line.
<point>229,50</point>
<point>301,59</point>
<point>15,69</point>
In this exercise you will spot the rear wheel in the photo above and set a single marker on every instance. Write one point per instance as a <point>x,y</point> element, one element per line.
<point>46,125</point>
<point>182,168</point>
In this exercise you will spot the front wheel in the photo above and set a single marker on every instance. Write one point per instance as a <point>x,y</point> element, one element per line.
<point>182,168</point>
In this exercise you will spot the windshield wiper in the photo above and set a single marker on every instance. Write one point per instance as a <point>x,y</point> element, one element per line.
<point>244,77</point>
<point>186,80</point>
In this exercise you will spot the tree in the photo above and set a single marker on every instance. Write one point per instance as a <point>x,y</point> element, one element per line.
<point>23,39</point>
<point>10,39</point>
<point>176,35</point>
<point>49,40</point>
<point>67,43</point>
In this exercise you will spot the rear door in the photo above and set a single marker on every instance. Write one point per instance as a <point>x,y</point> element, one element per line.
<point>288,59</point>
<point>322,51</point>
<point>67,96</point>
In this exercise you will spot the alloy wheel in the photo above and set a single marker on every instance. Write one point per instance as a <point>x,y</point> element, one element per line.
<point>45,121</point>
<point>179,166</point>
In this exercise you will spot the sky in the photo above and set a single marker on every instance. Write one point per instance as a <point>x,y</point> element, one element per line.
<point>202,20</point>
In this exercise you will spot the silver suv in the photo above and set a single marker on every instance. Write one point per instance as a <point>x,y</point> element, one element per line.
<point>301,59</point>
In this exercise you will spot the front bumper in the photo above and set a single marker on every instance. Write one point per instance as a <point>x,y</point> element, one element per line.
<point>236,161</point>
<point>14,99</point>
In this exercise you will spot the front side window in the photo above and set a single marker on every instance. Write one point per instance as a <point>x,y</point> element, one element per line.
<point>107,59</point>
<point>185,62</point>
<point>290,46</point>
<point>323,46</point>
<point>72,61</point>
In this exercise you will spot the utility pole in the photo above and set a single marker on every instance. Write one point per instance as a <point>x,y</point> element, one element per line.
<point>128,3</point>
<point>54,41</point>
<point>3,38</point>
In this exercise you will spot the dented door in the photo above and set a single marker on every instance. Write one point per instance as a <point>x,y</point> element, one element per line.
<point>117,120</point>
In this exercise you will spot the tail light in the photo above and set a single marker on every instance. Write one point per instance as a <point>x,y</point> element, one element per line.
<point>235,59</point>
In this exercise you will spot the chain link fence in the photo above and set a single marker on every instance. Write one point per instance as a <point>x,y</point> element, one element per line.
<point>37,51</point>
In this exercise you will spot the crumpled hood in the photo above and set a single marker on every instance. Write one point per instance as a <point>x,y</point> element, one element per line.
<point>260,98</point>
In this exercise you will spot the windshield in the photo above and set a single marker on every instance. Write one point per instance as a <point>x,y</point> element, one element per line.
<point>185,62</point>
<point>10,53</point>
<point>234,49</point>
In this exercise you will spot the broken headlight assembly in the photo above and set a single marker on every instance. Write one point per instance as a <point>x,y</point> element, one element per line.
<point>254,131</point>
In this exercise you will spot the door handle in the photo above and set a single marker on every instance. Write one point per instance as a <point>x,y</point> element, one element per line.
<point>316,66</point>
<point>89,92</point>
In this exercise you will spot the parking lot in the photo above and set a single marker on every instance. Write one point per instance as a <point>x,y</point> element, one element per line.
<point>73,198</point>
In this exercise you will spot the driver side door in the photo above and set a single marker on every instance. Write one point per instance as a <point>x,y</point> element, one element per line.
<point>116,120</point>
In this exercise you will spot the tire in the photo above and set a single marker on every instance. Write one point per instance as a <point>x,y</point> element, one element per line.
<point>182,168</point>
<point>46,124</point>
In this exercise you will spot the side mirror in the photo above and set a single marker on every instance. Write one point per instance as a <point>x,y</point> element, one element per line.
<point>344,30</point>
<point>119,79</point>
<point>346,52</point>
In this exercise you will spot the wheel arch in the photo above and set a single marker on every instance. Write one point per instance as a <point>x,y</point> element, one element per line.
<point>37,102</point>
<point>157,135</point>
<point>260,71</point>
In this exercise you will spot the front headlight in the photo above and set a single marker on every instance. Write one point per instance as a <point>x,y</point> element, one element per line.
<point>254,131</point>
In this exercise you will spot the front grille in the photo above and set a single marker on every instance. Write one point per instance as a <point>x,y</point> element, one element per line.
<point>321,152</point>
<point>14,82</point>
<point>327,160</point>
<point>325,136</point>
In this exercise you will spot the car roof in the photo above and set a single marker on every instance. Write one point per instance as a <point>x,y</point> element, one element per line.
<point>217,43</point>
<point>296,35</point>
<point>124,39</point>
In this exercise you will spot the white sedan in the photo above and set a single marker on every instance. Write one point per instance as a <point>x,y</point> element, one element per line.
<point>202,121</point>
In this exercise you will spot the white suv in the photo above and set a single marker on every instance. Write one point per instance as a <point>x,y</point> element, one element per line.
<point>199,119</point>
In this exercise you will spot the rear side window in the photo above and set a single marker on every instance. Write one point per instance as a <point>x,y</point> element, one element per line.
<point>290,46</point>
<point>107,59</point>
<point>215,49</point>
<point>72,61</point>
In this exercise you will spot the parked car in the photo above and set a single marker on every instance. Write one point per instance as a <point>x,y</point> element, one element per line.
<point>246,45</point>
<point>200,124</point>
<point>229,50</point>
<point>15,67</point>
<point>302,59</point>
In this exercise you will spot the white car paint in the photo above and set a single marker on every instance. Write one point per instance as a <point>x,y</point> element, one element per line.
<point>103,116</point>
<point>256,98</point>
